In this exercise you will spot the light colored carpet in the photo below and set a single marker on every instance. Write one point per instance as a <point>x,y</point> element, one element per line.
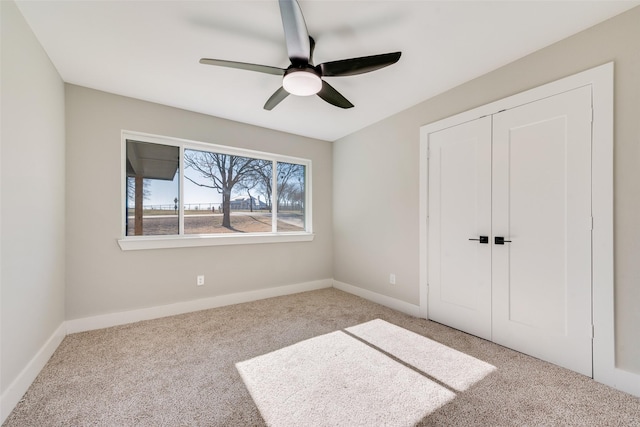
<point>181,371</point>
<point>334,379</point>
<point>451,367</point>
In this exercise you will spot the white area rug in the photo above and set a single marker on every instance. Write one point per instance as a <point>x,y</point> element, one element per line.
<point>336,380</point>
<point>453,368</point>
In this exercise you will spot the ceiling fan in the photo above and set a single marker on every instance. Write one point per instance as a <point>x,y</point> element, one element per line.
<point>302,78</point>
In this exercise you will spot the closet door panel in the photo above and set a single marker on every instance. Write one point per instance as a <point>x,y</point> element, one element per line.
<point>542,205</point>
<point>459,210</point>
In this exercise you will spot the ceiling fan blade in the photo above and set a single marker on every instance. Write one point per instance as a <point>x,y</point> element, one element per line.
<point>276,98</point>
<point>244,66</point>
<point>332,96</point>
<point>295,31</point>
<point>353,66</point>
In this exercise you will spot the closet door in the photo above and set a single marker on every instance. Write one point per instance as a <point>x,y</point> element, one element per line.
<point>460,210</point>
<point>542,208</point>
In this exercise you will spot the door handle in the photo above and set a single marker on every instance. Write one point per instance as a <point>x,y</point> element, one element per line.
<point>499,240</point>
<point>482,239</point>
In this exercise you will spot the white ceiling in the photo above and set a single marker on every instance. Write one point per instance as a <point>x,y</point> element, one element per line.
<point>150,50</point>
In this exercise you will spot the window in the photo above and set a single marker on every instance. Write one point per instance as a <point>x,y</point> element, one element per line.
<point>291,199</point>
<point>186,193</point>
<point>152,180</point>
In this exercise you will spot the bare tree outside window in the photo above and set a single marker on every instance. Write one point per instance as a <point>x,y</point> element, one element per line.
<point>131,189</point>
<point>291,196</point>
<point>264,175</point>
<point>224,173</point>
<point>258,183</point>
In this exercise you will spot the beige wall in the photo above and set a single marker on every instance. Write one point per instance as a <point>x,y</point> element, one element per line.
<point>379,165</point>
<point>103,279</point>
<point>33,196</point>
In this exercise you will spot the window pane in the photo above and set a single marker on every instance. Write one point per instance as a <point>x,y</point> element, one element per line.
<point>291,197</point>
<point>152,189</point>
<point>226,193</point>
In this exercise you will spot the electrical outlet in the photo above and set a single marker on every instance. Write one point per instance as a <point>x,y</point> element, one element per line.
<point>200,280</point>
<point>392,279</point>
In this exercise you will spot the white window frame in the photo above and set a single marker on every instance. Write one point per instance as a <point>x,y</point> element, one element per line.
<point>182,240</point>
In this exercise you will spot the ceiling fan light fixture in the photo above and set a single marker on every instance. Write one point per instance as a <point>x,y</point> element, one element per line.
<point>302,83</point>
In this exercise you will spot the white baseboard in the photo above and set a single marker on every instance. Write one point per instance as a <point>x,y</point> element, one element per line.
<point>396,304</point>
<point>124,317</point>
<point>626,381</point>
<point>19,386</point>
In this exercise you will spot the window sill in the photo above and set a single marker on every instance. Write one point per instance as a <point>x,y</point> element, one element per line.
<point>165,242</point>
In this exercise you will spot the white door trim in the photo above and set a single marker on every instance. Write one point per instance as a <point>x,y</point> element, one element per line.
<point>601,81</point>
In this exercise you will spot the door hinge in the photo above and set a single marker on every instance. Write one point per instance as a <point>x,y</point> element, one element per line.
<point>593,331</point>
<point>591,223</point>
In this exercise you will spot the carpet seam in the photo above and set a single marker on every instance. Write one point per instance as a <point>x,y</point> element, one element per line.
<point>402,362</point>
